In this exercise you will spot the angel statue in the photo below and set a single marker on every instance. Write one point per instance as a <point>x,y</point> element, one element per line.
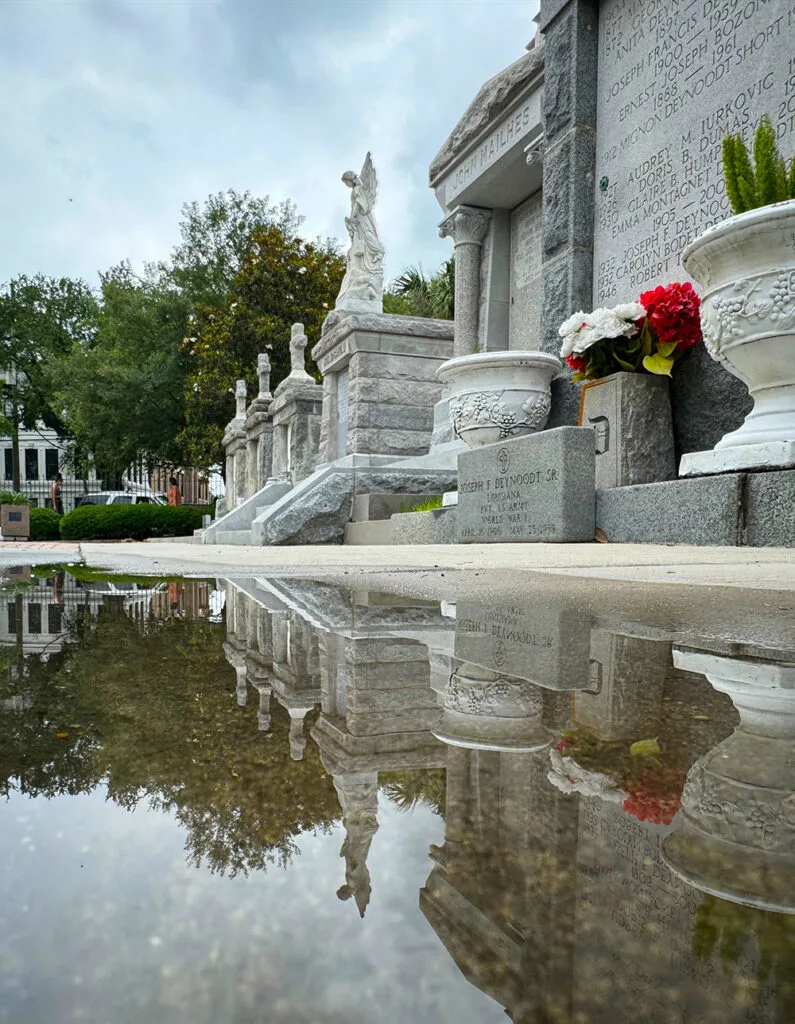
<point>362,289</point>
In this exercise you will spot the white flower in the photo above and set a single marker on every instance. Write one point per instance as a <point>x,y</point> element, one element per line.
<point>570,777</point>
<point>582,330</point>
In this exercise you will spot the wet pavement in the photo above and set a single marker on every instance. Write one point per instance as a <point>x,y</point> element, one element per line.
<point>260,799</point>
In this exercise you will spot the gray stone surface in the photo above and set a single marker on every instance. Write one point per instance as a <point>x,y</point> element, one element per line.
<point>369,507</point>
<point>770,509</point>
<point>317,516</point>
<point>665,104</point>
<point>524,327</point>
<point>699,510</point>
<point>535,488</point>
<point>631,417</point>
<point>435,527</point>
<point>707,402</point>
<point>546,645</point>
<point>492,100</point>
<point>380,385</point>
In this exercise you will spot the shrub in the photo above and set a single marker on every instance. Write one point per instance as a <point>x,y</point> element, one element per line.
<point>762,183</point>
<point>129,522</point>
<point>13,498</point>
<point>44,524</point>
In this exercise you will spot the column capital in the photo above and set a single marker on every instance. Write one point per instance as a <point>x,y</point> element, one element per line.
<point>466,224</point>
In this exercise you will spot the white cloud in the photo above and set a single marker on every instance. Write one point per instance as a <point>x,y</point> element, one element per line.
<point>113,115</point>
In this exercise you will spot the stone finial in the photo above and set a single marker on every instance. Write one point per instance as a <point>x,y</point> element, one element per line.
<point>298,343</point>
<point>466,225</point>
<point>240,399</point>
<point>264,374</point>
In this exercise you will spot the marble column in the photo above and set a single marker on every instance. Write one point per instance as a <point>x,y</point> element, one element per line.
<point>466,225</point>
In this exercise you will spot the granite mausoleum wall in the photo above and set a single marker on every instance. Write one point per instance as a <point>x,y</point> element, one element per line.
<point>611,125</point>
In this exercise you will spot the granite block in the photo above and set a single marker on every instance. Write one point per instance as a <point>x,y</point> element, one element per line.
<point>435,527</point>
<point>699,510</point>
<point>631,416</point>
<point>546,645</point>
<point>535,488</point>
<point>770,509</point>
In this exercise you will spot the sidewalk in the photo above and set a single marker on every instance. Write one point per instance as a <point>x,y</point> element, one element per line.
<point>757,568</point>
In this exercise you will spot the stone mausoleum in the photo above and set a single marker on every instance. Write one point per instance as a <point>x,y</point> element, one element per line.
<point>576,178</point>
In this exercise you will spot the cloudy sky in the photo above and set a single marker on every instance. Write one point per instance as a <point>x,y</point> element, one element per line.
<point>114,113</point>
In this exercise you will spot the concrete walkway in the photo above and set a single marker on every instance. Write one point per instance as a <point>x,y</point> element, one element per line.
<point>756,568</point>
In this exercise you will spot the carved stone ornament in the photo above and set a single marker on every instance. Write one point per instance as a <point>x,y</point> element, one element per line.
<point>240,399</point>
<point>264,375</point>
<point>746,268</point>
<point>466,225</point>
<point>498,395</point>
<point>503,698</point>
<point>493,408</point>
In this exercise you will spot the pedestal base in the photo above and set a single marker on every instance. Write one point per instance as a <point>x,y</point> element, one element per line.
<point>773,455</point>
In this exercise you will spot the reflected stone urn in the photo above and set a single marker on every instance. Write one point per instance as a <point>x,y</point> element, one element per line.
<point>498,395</point>
<point>735,835</point>
<point>486,711</point>
<point>746,269</point>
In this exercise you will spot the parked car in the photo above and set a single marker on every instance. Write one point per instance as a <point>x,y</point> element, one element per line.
<point>119,498</point>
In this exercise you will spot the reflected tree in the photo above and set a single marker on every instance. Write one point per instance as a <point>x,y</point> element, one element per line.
<point>149,710</point>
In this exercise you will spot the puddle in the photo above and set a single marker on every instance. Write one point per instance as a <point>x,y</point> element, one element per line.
<point>249,800</point>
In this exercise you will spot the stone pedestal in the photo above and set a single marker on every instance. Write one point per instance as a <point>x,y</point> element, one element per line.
<point>379,383</point>
<point>631,417</point>
<point>295,412</point>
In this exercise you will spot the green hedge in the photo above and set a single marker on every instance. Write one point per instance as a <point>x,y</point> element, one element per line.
<point>133,522</point>
<point>44,524</point>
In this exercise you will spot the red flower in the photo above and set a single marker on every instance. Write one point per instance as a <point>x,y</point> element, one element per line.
<point>673,313</point>
<point>577,362</point>
<point>656,795</point>
<point>563,743</point>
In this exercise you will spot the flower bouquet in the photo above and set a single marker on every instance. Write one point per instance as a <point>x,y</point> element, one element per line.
<point>647,335</point>
<point>645,780</point>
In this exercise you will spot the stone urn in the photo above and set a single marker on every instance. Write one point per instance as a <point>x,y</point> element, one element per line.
<point>735,834</point>
<point>746,269</point>
<point>498,395</point>
<point>486,711</point>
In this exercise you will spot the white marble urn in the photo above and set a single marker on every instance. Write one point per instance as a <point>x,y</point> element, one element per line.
<point>498,395</point>
<point>735,834</point>
<point>486,711</point>
<point>746,269</point>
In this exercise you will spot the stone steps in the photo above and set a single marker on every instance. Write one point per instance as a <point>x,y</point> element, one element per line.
<point>238,537</point>
<point>377,531</point>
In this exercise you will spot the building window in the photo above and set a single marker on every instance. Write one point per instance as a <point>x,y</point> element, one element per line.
<point>12,618</point>
<point>9,464</point>
<point>51,462</point>
<point>34,618</point>
<point>31,463</point>
<point>54,618</point>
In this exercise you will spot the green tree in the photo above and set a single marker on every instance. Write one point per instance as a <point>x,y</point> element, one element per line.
<point>283,280</point>
<point>415,294</point>
<point>216,240</point>
<point>42,320</point>
<point>148,709</point>
<point>123,392</point>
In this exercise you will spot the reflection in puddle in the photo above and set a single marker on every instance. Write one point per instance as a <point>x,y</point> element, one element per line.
<point>351,807</point>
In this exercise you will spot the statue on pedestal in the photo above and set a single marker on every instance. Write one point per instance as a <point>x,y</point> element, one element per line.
<point>362,288</point>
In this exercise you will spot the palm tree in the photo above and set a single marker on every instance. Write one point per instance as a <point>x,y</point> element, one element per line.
<point>414,294</point>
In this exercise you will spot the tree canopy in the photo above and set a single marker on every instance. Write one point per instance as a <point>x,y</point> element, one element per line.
<point>283,280</point>
<point>122,393</point>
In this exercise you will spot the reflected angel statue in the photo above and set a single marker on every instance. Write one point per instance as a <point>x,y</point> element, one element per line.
<point>362,287</point>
